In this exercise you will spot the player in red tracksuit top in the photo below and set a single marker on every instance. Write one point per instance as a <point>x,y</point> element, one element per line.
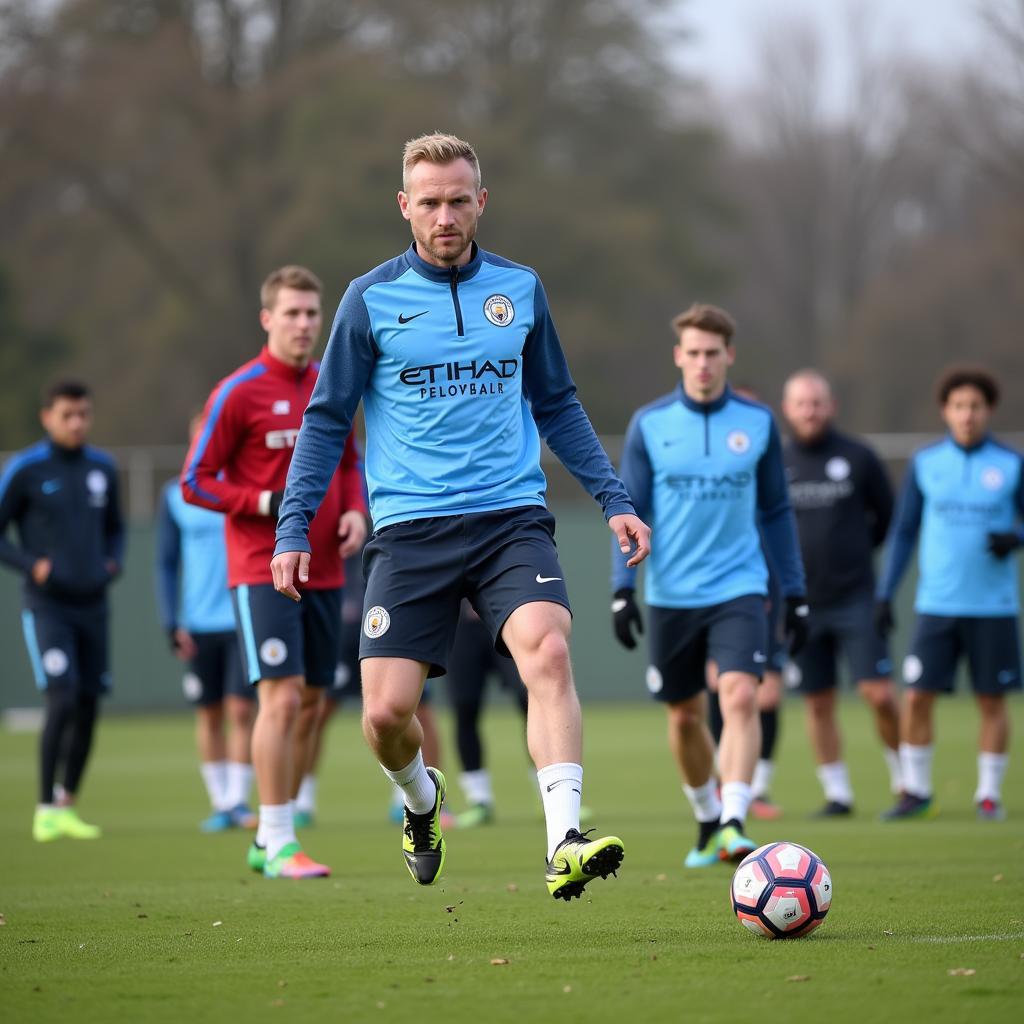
<point>237,465</point>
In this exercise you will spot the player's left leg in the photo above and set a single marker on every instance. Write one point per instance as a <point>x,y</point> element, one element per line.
<point>537,636</point>
<point>993,747</point>
<point>769,697</point>
<point>240,716</point>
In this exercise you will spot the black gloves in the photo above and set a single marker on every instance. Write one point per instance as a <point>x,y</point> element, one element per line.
<point>797,611</point>
<point>625,615</point>
<point>885,623</point>
<point>275,503</point>
<point>1002,544</point>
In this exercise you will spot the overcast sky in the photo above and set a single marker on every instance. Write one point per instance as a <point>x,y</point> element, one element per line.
<point>724,33</point>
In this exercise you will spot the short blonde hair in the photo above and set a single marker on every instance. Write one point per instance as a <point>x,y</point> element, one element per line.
<point>291,276</point>
<point>438,148</point>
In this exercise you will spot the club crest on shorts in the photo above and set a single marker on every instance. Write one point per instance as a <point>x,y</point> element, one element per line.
<point>738,441</point>
<point>191,686</point>
<point>653,679</point>
<point>55,662</point>
<point>273,651</point>
<point>499,310</point>
<point>377,622</point>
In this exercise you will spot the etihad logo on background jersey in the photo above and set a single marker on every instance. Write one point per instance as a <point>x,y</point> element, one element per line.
<point>499,310</point>
<point>473,377</point>
<point>282,407</point>
<point>282,438</point>
<point>710,487</point>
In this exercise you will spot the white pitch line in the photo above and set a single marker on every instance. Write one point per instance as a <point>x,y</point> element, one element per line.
<point>952,939</point>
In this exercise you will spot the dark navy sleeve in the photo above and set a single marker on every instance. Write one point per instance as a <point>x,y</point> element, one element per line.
<point>877,497</point>
<point>114,523</point>
<point>637,476</point>
<point>168,560</point>
<point>1020,498</point>
<point>11,504</point>
<point>902,535</point>
<point>559,416</point>
<point>778,523</point>
<point>344,371</point>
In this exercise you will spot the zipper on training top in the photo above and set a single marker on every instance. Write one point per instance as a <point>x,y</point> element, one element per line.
<point>454,284</point>
<point>707,441</point>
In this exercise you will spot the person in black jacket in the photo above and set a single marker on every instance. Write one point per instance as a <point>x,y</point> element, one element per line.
<point>843,504</point>
<point>62,495</point>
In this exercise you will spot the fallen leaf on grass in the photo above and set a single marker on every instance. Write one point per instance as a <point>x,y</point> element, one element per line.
<point>511,887</point>
<point>887,932</point>
<point>451,956</point>
<point>799,977</point>
<point>380,1006</point>
<point>567,989</point>
<point>217,924</point>
<point>997,878</point>
<point>661,878</point>
<point>3,920</point>
<point>282,983</point>
<point>962,972</point>
<point>277,1002</point>
<point>450,909</point>
<point>498,961</point>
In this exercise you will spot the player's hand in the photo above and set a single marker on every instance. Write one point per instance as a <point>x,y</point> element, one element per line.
<point>626,615</point>
<point>1002,544</point>
<point>631,530</point>
<point>289,568</point>
<point>885,621</point>
<point>41,571</point>
<point>351,532</point>
<point>797,614</point>
<point>183,646</point>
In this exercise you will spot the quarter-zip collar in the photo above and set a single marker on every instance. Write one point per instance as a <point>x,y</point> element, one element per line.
<point>703,407</point>
<point>972,448</point>
<point>282,369</point>
<point>68,454</point>
<point>443,275</point>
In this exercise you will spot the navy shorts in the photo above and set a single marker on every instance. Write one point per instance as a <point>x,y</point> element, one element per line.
<point>68,646</point>
<point>417,573</point>
<point>776,646</point>
<point>216,670</point>
<point>281,637</point>
<point>991,646</point>
<point>734,635</point>
<point>848,629</point>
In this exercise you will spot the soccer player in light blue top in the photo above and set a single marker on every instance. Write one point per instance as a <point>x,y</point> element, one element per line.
<point>196,613</point>
<point>455,356</point>
<point>704,466</point>
<point>964,496</point>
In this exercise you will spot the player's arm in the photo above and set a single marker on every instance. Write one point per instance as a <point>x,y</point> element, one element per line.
<point>11,509</point>
<point>348,360</point>
<point>212,448</point>
<point>637,476</point>
<point>899,547</point>
<point>168,562</point>
<point>113,525</point>
<point>878,498</point>
<point>1006,542</point>
<point>779,538</point>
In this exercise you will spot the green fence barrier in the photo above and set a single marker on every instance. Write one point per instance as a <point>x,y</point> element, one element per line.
<point>147,677</point>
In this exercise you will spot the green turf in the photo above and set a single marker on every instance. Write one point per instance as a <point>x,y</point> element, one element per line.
<point>126,929</point>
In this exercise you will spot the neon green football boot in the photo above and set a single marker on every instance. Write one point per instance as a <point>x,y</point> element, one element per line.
<point>256,857</point>
<point>422,840</point>
<point>46,824</point>
<point>706,855</point>
<point>578,860</point>
<point>291,862</point>
<point>72,826</point>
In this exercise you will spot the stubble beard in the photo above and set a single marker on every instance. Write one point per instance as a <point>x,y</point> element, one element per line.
<point>443,255</point>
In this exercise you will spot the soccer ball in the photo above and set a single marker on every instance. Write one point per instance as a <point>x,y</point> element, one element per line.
<point>781,891</point>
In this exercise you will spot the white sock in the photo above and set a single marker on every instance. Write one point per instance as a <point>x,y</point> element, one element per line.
<point>704,800</point>
<point>835,781</point>
<point>991,769</point>
<point>561,787</point>
<point>306,800</point>
<point>418,789</point>
<point>477,786</point>
<point>736,797</point>
<point>239,782</point>
<point>215,776</point>
<point>277,829</point>
<point>762,778</point>
<point>892,762</point>
<point>916,764</point>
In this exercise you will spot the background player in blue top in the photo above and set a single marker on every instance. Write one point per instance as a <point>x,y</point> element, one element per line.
<point>62,495</point>
<point>705,467</point>
<point>964,496</point>
<point>455,356</point>
<point>195,609</point>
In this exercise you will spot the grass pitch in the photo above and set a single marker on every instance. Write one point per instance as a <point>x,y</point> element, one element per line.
<point>156,922</point>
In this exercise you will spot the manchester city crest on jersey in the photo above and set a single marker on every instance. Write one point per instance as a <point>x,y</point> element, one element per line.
<point>738,441</point>
<point>377,622</point>
<point>992,478</point>
<point>499,310</point>
<point>837,468</point>
<point>96,484</point>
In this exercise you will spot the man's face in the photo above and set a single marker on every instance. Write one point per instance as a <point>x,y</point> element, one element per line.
<point>67,421</point>
<point>966,414</point>
<point>293,325</point>
<point>808,407</point>
<point>442,205</point>
<point>704,359</point>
